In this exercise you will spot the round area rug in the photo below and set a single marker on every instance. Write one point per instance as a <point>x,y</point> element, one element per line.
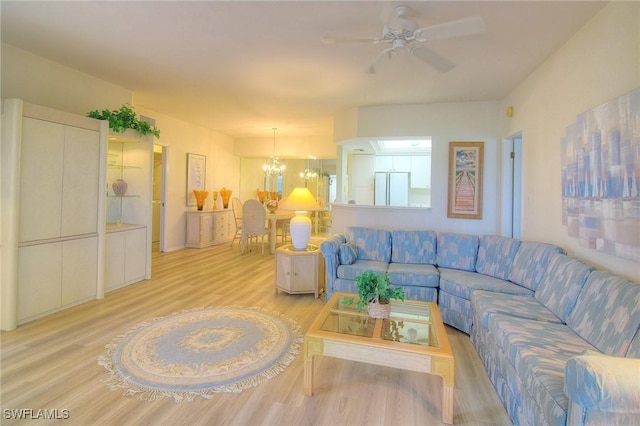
<point>201,352</point>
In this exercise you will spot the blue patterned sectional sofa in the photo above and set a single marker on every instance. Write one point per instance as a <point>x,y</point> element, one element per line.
<point>560,341</point>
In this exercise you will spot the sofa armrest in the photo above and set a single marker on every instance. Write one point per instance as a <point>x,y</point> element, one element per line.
<point>596,382</point>
<point>330,248</point>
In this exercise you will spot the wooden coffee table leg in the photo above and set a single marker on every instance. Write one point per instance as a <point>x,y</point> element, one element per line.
<point>447,404</point>
<point>312,346</point>
<point>308,375</point>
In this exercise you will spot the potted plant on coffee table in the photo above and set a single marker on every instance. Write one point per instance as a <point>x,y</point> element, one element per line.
<point>375,291</point>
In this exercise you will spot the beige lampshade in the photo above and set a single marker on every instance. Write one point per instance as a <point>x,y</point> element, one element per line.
<point>299,199</point>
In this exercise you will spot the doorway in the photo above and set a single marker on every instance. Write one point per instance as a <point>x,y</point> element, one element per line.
<point>512,186</point>
<point>158,242</point>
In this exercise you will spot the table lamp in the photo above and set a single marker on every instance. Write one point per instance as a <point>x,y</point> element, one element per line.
<point>301,201</point>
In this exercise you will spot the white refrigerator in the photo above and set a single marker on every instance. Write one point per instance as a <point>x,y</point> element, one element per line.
<point>391,189</point>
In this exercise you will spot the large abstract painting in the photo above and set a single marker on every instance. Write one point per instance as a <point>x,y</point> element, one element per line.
<point>601,177</point>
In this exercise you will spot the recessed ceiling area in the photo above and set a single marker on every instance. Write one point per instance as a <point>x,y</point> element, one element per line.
<point>244,67</point>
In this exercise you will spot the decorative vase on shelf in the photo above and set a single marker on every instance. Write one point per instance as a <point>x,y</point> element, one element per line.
<point>120,187</point>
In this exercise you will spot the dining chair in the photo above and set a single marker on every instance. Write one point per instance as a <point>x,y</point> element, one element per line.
<point>254,218</point>
<point>236,205</point>
<point>282,228</point>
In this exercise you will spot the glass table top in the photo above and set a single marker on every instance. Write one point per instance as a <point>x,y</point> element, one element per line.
<point>410,322</point>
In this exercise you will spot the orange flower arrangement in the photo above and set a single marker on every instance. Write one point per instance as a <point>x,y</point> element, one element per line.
<point>200,197</point>
<point>225,194</point>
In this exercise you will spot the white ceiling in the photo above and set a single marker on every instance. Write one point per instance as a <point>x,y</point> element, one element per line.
<point>244,67</point>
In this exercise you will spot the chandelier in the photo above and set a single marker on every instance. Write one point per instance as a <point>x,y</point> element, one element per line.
<point>273,166</point>
<point>308,173</point>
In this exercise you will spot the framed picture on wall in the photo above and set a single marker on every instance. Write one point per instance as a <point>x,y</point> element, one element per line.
<point>196,175</point>
<point>465,180</point>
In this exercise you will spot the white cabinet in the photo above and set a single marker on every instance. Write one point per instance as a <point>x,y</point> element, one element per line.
<point>421,171</point>
<point>299,271</point>
<point>199,229</point>
<point>393,163</point>
<point>207,228</point>
<point>361,178</point>
<point>125,255</point>
<point>55,275</point>
<point>224,226</point>
<point>60,209</point>
<point>59,180</point>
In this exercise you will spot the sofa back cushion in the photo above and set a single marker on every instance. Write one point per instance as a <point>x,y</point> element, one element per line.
<point>495,255</point>
<point>531,262</point>
<point>457,251</point>
<point>372,243</point>
<point>607,312</point>
<point>561,284</point>
<point>413,247</point>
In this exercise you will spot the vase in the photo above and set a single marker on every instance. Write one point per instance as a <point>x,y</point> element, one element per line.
<point>201,196</point>
<point>120,187</point>
<point>379,310</point>
<point>272,209</point>
<point>226,195</point>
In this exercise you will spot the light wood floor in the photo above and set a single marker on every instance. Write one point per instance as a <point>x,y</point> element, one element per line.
<point>51,363</point>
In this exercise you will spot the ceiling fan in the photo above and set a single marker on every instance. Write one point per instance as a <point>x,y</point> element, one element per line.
<point>401,33</point>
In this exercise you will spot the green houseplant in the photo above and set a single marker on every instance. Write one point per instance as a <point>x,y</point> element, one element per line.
<point>123,119</point>
<point>375,291</point>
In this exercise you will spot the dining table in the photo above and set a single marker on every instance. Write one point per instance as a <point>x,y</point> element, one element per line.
<point>272,219</point>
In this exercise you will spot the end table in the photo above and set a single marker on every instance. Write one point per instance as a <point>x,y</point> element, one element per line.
<point>299,271</point>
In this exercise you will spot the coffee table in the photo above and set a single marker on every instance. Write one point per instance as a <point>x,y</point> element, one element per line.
<point>414,339</point>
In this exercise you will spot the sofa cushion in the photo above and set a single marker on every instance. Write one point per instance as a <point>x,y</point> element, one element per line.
<point>530,263</point>
<point>457,251</point>
<point>348,253</point>
<point>561,284</point>
<point>489,302</point>
<point>463,283</point>
<point>607,312</point>
<point>413,247</point>
<point>350,272</point>
<point>539,351</point>
<point>413,274</point>
<point>495,255</point>
<point>372,243</point>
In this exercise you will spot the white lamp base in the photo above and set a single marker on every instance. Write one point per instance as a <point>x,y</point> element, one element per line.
<point>300,229</point>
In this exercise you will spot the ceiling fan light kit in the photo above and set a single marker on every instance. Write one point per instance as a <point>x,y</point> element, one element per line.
<point>404,34</point>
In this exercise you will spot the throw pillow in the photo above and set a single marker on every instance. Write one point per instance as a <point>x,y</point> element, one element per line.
<point>348,253</point>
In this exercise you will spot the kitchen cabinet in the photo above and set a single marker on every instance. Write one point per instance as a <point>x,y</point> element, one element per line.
<point>299,271</point>
<point>361,179</point>
<point>392,163</point>
<point>207,228</point>
<point>421,172</point>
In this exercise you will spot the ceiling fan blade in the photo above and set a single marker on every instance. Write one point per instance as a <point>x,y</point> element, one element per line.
<point>334,40</point>
<point>432,59</point>
<point>462,27</point>
<point>381,60</point>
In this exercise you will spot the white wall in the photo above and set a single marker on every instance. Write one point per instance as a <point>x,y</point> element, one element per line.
<point>599,63</point>
<point>42,82</point>
<point>446,122</point>
<point>223,169</point>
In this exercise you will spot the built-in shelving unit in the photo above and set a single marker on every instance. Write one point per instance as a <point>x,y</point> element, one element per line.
<point>129,216</point>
